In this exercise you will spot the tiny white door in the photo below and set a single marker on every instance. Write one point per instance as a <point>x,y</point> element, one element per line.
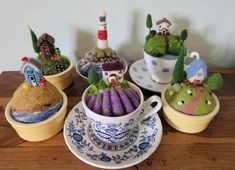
<point>33,80</point>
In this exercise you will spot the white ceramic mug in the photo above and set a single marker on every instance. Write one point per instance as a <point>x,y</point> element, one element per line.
<point>117,129</point>
<point>160,68</point>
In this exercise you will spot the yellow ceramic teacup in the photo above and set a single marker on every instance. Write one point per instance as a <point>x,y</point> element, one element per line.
<point>187,123</point>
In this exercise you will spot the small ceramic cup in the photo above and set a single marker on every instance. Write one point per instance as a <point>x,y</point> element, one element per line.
<point>114,130</point>
<point>160,68</point>
<point>41,130</point>
<point>64,79</point>
<point>187,123</point>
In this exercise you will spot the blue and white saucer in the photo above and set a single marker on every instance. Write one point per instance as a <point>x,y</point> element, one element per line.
<point>82,142</point>
<point>142,77</point>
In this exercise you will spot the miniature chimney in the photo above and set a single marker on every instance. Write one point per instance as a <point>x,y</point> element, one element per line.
<point>102,31</point>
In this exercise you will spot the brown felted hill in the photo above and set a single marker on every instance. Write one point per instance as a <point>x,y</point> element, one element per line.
<point>35,99</point>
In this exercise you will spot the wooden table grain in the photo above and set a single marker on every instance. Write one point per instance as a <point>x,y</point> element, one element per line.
<point>212,149</point>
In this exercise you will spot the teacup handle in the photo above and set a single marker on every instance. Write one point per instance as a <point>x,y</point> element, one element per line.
<point>147,104</point>
<point>191,55</point>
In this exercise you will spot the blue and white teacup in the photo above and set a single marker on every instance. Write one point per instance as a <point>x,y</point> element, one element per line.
<point>114,130</point>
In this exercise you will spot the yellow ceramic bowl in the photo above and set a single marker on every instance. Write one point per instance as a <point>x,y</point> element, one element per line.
<point>64,79</point>
<point>41,130</point>
<point>187,123</point>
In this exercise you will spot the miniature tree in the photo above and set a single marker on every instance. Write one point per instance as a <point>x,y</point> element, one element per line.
<point>179,74</point>
<point>149,23</point>
<point>34,41</point>
<point>183,36</point>
<point>215,82</point>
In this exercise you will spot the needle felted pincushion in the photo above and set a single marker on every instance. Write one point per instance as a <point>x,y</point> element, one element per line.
<point>163,43</point>
<point>111,96</point>
<point>191,90</point>
<point>49,55</point>
<point>102,53</point>
<point>36,99</point>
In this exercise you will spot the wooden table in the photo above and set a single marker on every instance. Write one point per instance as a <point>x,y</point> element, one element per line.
<point>212,149</point>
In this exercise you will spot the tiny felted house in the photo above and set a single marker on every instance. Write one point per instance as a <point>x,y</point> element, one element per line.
<point>163,26</point>
<point>196,71</point>
<point>46,44</point>
<point>112,72</point>
<point>32,70</point>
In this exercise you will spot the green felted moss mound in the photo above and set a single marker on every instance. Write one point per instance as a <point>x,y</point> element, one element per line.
<point>155,46</point>
<point>159,45</point>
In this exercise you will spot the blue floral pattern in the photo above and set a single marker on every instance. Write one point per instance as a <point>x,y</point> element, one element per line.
<point>81,140</point>
<point>112,132</point>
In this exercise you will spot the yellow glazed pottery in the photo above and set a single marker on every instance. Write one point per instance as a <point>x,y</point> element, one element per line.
<point>41,130</point>
<point>64,79</point>
<point>187,123</point>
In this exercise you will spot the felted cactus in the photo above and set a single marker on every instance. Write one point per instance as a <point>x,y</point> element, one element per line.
<point>215,82</point>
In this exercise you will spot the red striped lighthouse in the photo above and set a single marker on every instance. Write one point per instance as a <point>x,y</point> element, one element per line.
<point>102,31</point>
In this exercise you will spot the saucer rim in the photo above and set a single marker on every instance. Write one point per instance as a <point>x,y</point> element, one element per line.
<point>117,166</point>
<point>141,84</point>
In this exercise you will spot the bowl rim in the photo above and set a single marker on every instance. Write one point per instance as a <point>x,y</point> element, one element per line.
<point>110,118</point>
<point>86,78</point>
<point>20,124</point>
<point>63,72</point>
<point>183,115</point>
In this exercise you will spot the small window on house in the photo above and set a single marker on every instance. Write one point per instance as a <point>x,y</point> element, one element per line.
<point>199,74</point>
<point>106,73</point>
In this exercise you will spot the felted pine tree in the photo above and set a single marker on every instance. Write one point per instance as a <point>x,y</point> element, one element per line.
<point>179,74</point>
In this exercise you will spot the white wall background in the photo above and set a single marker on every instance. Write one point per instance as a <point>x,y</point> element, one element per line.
<point>211,26</point>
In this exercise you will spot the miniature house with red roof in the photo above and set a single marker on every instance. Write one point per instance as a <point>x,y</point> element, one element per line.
<point>112,72</point>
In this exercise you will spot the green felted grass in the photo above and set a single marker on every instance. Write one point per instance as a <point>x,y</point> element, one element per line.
<point>174,44</point>
<point>98,50</point>
<point>51,67</point>
<point>202,107</point>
